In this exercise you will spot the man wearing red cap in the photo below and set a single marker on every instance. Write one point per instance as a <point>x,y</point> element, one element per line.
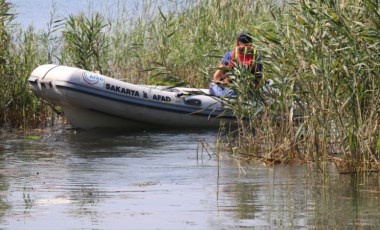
<point>244,55</point>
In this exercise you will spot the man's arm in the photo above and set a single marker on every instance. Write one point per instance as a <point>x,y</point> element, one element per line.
<point>218,75</point>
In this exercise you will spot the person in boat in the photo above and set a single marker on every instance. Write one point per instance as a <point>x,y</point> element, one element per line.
<point>243,55</point>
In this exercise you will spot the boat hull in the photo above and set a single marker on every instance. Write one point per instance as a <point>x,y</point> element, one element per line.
<point>90,100</point>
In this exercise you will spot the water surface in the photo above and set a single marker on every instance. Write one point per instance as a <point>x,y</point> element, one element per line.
<point>158,180</point>
<point>40,12</point>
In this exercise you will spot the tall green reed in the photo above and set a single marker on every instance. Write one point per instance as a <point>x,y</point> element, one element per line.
<point>23,51</point>
<point>5,17</point>
<point>344,99</point>
<point>323,57</point>
<point>85,43</point>
<point>329,53</point>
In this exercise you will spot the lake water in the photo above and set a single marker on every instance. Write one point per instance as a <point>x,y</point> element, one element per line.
<point>158,180</point>
<point>38,12</point>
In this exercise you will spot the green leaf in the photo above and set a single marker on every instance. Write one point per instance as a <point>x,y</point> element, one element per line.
<point>370,37</point>
<point>300,20</point>
<point>162,14</point>
<point>32,137</point>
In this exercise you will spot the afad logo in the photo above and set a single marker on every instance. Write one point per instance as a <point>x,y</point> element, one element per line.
<point>93,79</point>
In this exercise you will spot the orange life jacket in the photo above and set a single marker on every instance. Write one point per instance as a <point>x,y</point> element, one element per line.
<point>246,56</point>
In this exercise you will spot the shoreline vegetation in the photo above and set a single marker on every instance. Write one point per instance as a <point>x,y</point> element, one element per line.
<point>324,57</point>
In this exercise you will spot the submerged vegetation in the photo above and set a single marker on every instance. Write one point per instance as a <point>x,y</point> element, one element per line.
<point>322,55</point>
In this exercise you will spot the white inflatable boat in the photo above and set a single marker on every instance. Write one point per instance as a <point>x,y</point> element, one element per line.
<point>90,100</point>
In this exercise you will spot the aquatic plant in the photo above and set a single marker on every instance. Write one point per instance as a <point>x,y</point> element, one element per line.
<point>328,52</point>
<point>323,58</point>
<point>85,43</point>
<point>22,51</point>
<point>5,17</point>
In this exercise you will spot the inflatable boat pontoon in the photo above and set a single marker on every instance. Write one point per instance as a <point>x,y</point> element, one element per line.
<point>91,100</point>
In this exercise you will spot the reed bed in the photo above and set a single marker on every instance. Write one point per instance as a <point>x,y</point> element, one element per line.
<point>322,56</point>
<point>327,53</point>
